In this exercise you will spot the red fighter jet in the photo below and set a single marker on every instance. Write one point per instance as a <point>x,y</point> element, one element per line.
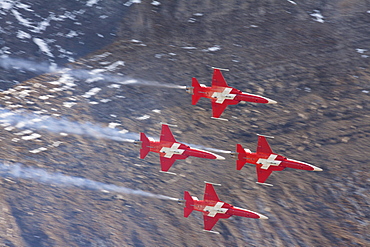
<point>221,94</point>
<point>170,150</point>
<point>213,209</point>
<point>267,161</point>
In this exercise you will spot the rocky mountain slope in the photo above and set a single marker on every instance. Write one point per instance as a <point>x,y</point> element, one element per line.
<point>53,32</point>
<point>311,57</point>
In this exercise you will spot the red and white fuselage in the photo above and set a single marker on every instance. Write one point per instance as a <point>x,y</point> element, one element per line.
<point>222,95</point>
<point>231,96</point>
<point>223,210</point>
<point>266,161</point>
<point>170,150</point>
<point>214,209</point>
<point>179,151</point>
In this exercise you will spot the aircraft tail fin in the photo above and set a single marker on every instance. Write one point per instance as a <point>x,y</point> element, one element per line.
<point>196,94</point>
<point>241,157</point>
<point>189,204</point>
<point>144,145</point>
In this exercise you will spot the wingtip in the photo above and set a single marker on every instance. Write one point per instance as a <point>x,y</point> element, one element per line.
<point>167,172</point>
<point>212,183</point>
<point>271,137</point>
<point>210,231</point>
<point>264,184</point>
<point>220,68</point>
<point>219,118</point>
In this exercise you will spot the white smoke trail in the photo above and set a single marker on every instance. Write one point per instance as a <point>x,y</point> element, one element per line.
<point>28,120</point>
<point>213,149</point>
<point>142,82</point>
<point>42,176</point>
<point>201,147</point>
<point>22,64</point>
<point>82,74</point>
<point>208,148</point>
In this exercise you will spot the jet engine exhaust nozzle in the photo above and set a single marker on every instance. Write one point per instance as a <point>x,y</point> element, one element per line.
<point>137,143</point>
<point>189,90</point>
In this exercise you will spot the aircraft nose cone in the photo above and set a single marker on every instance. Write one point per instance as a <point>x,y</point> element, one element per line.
<point>270,101</point>
<point>262,217</point>
<point>317,169</point>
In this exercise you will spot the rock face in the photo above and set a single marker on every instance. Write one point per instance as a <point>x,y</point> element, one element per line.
<point>311,57</point>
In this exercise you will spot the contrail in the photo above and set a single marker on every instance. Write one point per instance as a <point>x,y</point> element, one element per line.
<point>82,74</point>
<point>42,176</point>
<point>43,122</point>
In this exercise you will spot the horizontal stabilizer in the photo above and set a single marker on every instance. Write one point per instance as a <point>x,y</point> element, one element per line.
<point>145,148</point>
<point>189,204</point>
<point>240,162</point>
<point>196,91</point>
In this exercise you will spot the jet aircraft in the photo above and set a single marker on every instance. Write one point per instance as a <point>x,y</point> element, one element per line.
<point>170,150</point>
<point>214,209</point>
<point>267,161</point>
<point>221,94</point>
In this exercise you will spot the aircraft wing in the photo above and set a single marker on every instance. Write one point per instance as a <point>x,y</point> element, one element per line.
<point>218,79</point>
<point>209,222</point>
<point>166,134</point>
<point>218,109</point>
<point>263,174</point>
<point>166,163</point>
<point>263,146</point>
<point>210,193</point>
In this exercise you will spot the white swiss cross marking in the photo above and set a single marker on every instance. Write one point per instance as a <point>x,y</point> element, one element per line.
<point>223,95</point>
<point>270,161</point>
<point>215,209</point>
<point>174,149</point>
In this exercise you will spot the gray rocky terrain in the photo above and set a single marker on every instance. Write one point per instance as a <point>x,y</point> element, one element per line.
<point>312,57</point>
